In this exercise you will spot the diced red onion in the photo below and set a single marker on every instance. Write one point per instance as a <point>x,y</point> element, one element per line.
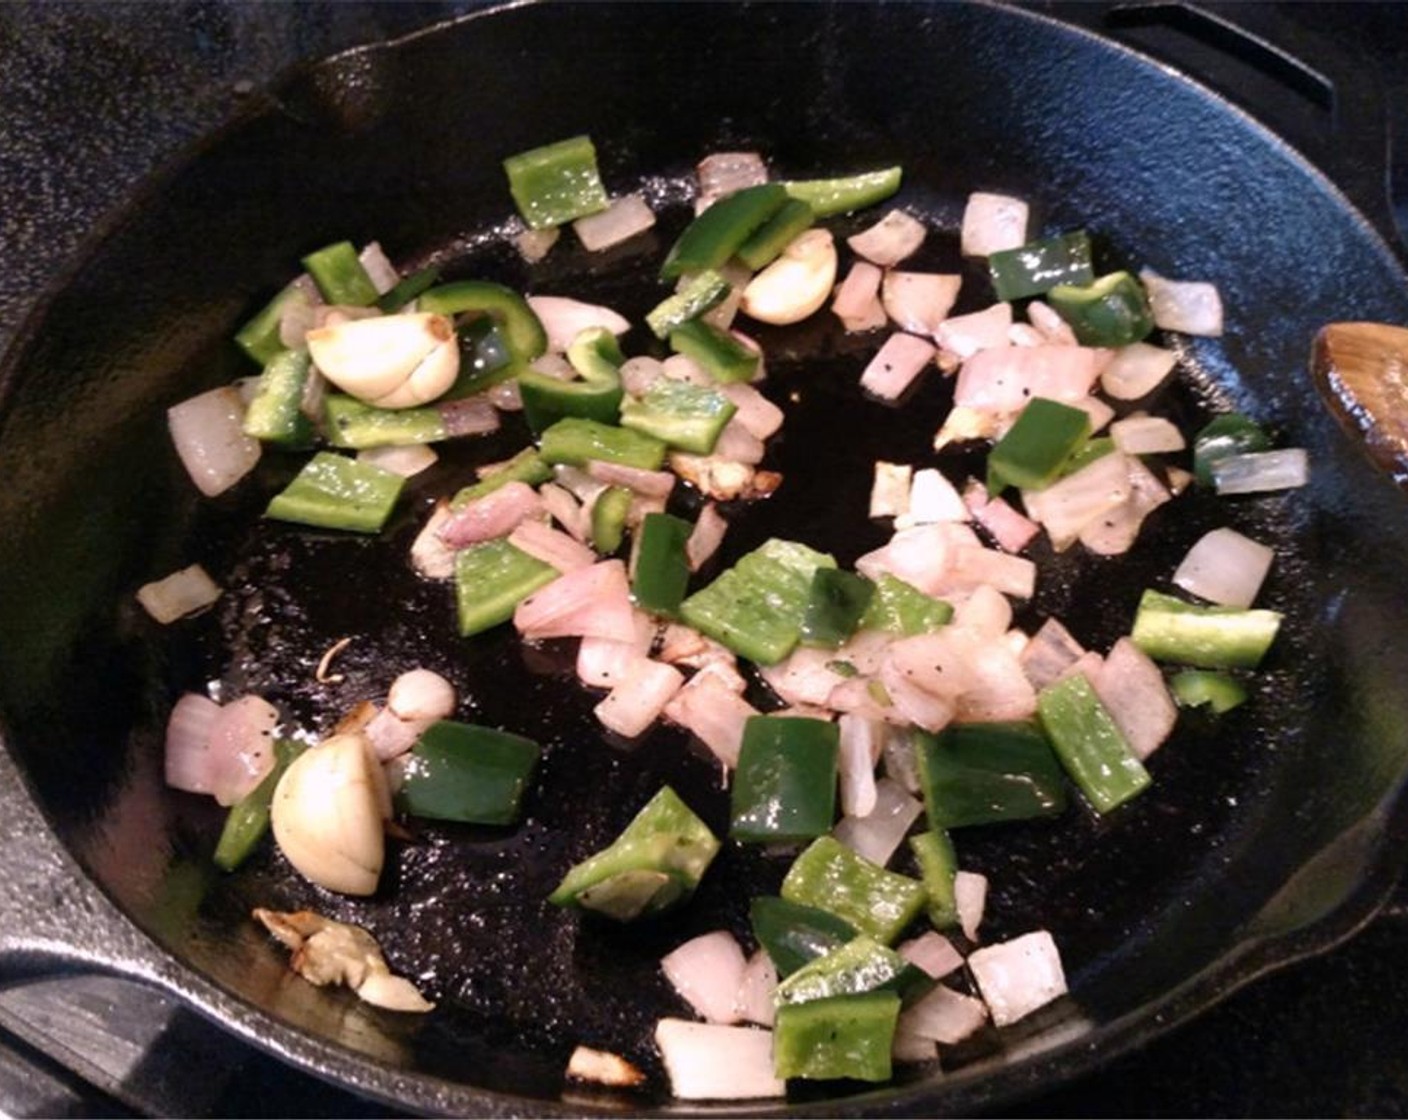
<point>1064,508</point>
<point>1004,380</point>
<point>1132,689</point>
<point>622,220</point>
<point>889,493</point>
<point>722,173</point>
<point>877,835</point>
<point>707,972</point>
<point>932,497</point>
<point>945,1016</point>
<point>1114,533</point>
<point>710,1062</point>
<point>970,894</point>
<point>705,538</point>
<point>593,601</point>
<point>494,515</point>
<point>933,952</point>
<point>637,701</point>
<point>1137,370</point>
<point>578,482</point>
<point>241,747</point>
<point>1051,651</point>
<point>1011,530</point>
<point>552,546</point>
<point>900,360</point>
<point>1226,568</point>
<point>966,335</point>
<point>755,1000</point>
<point>380,271</point>
<point>430,556</point>
<point>468,416</point>
<point>562,506</point>
<point>1261,471</point>
<point>755,412</point>
<point>535,244</point>
<point>404,459</point>
<point>1189,306</point>
<point>890,240</point>
<point>1016,977</point>
<point>1146,435</point>
<point>857,300</point>
<point>179,594</point>
<point>654,484</point>
<point>208,433</point>
<point>640,373</point>
<point>986,613</point>
<point>714,712</point>
<point>861,740</point>
<point>188,729</point>
<point>992,223</point>
<point>919,301</point>
<point>564,319</point>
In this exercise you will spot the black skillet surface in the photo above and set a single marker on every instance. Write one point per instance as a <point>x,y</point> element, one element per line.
<point>267,634</point>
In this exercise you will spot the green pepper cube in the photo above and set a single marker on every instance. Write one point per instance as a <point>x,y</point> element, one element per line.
<point>793,934</point>
<point>980,773</point>
<point>522,331</point>
<point>655,863</point>
<point>860,965</point>
<point>696,295</point>
<point>491,579</point>
<point>840,1037</point>
<point>335,492</point>
<point>688,417</point>
<point>662,568</point>
<point>407,289</point>
<point>938,865</point>
<point>340,276</point>
<point>718,353</point>
<point>827,197</point>
<point>260,337</point>
<point>556,183</point>
<point>837,603</point>
<point>1032,452</point>
<point>1168,629</point>
<point>527,466</point>
<point>1193,688</point>
<point>897,607</point>
<point>765,244</point>
<point>785,785</point>
<point>275,415</point>
<point>461,772</point>
<point>1111,311</point>
<point>355,424</point>
<point>248,818</point>
<point>1039,266</point>
<point>1224,436</point>
<point>830,876</point>
<point>609,513</point>
<point>720,231</point>
<point>1090,744</point>
<point>596,395</point>
<point>576,440</point>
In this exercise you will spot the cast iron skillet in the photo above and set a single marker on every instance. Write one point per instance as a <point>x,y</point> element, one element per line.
<point>1266,835</point>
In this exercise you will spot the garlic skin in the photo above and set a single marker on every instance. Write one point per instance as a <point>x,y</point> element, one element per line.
<point>796,284</point>
<point>389,361</point>
<point>327,813</point>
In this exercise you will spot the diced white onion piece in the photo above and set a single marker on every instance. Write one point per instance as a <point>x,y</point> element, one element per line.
<point>910,1049</point>
<point>755,412</point>
<point>723,313</point>
<point>495,514</point>
<point>986,613</point>
<point>709,1062</point>
<point>1051,651</point>
<point>1146,435</point>
<point>1114,533</point>
<point>805,676</point>
<point>380,271</point>
<point>920,555</point>
<point>919,301</point>
<point>1189,306</point>
<point>1225,567</point>
<point>1261,471</point>
<point>602,1067</point>
<point>468,416</point>
<point>963,424</point>
<point>1064,508</point>
<point>705,537</point>
<point>208,433</point>
<point>653,484</point>
<point>877,835</point>
<point>535,244</point>
<point>299,314</point>
<point>390,737</point>
<point>564,508</point>
<point>421,696</point>
<point>913,702</point>
<point>1016,977</point>
<point>1136,371</point>
<point>637,701</point>
<point>900,759</point>
<point>1178,480</point>
<point>1024,334</point>
<point>933,952</point>
<point>1050,325</point>
<point>900,360</point>
<point>181,593</point>
<point>889,493</point>
<point>431,556</point>
<point>992,223</point>
<point>966,335</point>
<point>622,220</point>
<point>714,712</point>
<point>1099,411</point>
<point>755,1000</point>
<point>552,546</point>
<point>857,302</point>
<point>1132,689</point>
<point>970,567</point>
<point>932,497</point>
<point>188,764</point>
<point>970,895</point>
<point>722,173</point>
<point>681,367</point>
<point>796,284</point>
<point>890,240</point>
<point>564,319</point>
<point>998,689</point>
<point>403,459</point>
<point>1013,531</point>
<point>638,374</point>
<point>945,1016</point>
<point>555,365</point>
<point>603,662</point>
<point>592,601</point>
<point>707,972</point>
<point>737,444</point>
<point>1004,380</point>
<point>861,740</point>
<point>241,747</point>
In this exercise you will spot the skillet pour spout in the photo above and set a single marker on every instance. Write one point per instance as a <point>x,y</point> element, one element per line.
<point>1265,837</point>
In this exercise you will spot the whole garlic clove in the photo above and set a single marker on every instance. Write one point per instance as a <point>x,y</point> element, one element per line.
<point>327,813</point>
<point>390,361</point>
<point>796,284</point>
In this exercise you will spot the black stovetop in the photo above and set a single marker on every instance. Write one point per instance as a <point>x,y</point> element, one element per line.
<point>1320,1038</point>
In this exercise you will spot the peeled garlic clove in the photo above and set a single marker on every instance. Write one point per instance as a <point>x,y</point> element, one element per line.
<point>390,361</point>
<point>327,813</point>
<point>796,284</point>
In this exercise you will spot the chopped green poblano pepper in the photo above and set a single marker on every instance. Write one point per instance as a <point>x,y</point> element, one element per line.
<point>1193,688</point>
<point>597,357</point>
<point>837,603</point>
<point>1168,629</point>
<point>1032,452</point>
<point>1089,743</point>
<point>522,330</point>
<point>556,183</point>
<point>793,934</point>
<point>662,568</point>
<point>978,773</point>
<point>785,784</point>
<point>335,492</point>
<point>355,424</point>
<point>575,441</point>
<point>842,196</point>
<point>766,242</point>
<point>697,295</point>
<point>527,466</point>
<point>718,353</point>
<point>491,579</point>
<point>461,772</point>
<point>407,289</point>
<point>860,965</point>
<point>609,513</point>
<point>248,819</point>
<point>259,338</point>
<point>485,358</point>
<point>1111,311</point>
<point>1040,265</point>
<point>830,876</point>
<point>755,608</point>
<point>840,1037</point>
<point>340,275</point>
<point>656,862</point>
<point>938,864</point>
<point>897,607</point>
<point>275,415</point>
<point>720,231</point>
<point>689,417</point>
<point>1224,436</point>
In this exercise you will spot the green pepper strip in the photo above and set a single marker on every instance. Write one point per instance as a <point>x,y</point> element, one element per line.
<point>793,934</point>
<point>355,424</point>
<point>1193,688</point>
<point>842,196</point>
<point>835,606</point>
<point>335,492</point>
<point>248,818</point>
<point>830,876</point>
<point>938,864</point>
<point>1112,311</point>
<point>718,233</point>
<point>491,579</point>
<point>844,1036</point>
<point>576,441</point>
<point>662,568</point>
<point>1030,455</point>
<point>718,353</point>
<point>609,513</point>
<point>1090,744</point>
<point>689,417</point>
<point>766,243</point>
<point>785,785</point>
<point>1224,436</point>
<point>407,289</point>
<point>1168,629</point>
<point>259,338</point>
<point>702,291</point>
<point>897,607</point>
<point>595,355</point>
<point>979,773</point>
<point>556,183</point>
<point>860,965</point>
<point>522,330</point>
<point>340,275</point>
<point>275,414</point>
<point>461,772</point>
<point>1041,265</point>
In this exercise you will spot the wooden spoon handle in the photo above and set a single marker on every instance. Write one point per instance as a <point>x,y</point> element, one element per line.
<point>1361,369</point>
